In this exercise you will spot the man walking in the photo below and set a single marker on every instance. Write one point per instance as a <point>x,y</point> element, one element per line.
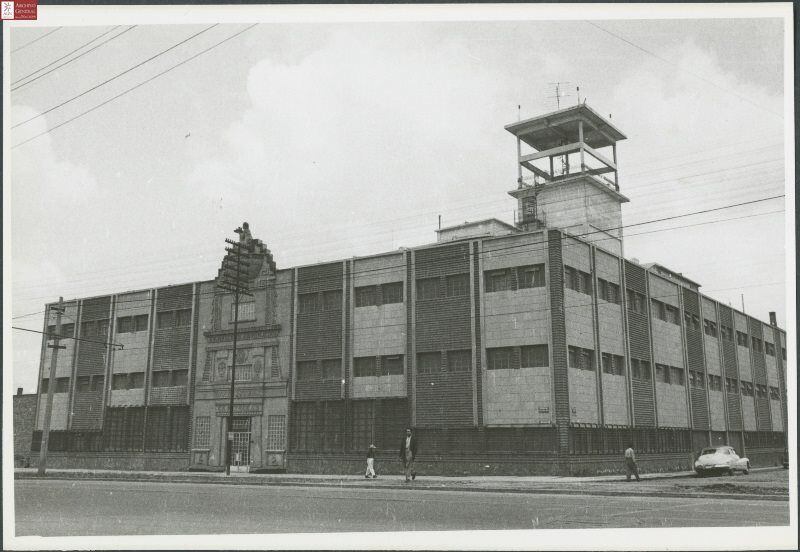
<point>371,463</point>
<point>630,464</point>
<point>408,452</point>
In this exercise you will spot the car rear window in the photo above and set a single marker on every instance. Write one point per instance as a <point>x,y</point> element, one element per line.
<point>708,451</point>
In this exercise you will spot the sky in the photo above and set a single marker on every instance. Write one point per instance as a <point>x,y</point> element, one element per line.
<point>342,139</point>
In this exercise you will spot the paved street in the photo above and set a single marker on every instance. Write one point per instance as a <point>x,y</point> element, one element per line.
<point>65,508</point>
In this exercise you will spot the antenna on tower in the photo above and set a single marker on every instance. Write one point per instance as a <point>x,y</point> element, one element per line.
<point>578,88</point>
<point>559,94</point>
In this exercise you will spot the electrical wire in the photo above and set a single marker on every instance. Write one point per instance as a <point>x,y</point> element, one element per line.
<point>35,40</point>
<point>131,89</point>
<point>17,87</point>
<point>92,89</point>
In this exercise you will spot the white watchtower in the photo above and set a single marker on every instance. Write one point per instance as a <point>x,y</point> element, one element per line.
<point>563,160</point>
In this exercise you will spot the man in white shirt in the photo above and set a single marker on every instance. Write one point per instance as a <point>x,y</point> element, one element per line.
<point>630,464</point>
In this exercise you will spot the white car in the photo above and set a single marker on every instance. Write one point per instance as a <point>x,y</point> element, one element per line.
<point>720,460</point>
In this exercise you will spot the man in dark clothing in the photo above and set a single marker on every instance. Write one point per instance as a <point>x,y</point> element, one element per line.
<point>631,467</point>
<point>408,452</point>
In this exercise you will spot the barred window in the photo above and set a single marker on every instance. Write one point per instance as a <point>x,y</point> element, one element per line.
<point>276,432</point>
<point>710,327</point>
<point>392,365</point>
<point>140,322</point>
<point>582,359</point>
<point>332,300</point>
<point>741,339</point>
<point>165,319</point>
<point>136,380</point>
<point>427,288</point>
<point>392,293</point>
<point>530,276</point>
<point>364,367</point>
<point>757,345</point>
<point>247,311</point>
<point>429,363</point>
<point>769,348</point>
<point>457,285</point>
<point>531,356</point>
<point>499,358</point>
<point>636,301</point>
<point>608,291</point>
<point>726,332</point>
<point>577,280</point>
<point>202,432</point>
<point>308,303</point>
<point>332,369</point>
<point>640,369</point>
<point>124,324</point>
<point>692,321</point>
<point>731,385</point>
<point>613,364</point>
<point>119,382</point>
<point>662,373</point>
<point>496,280</point>
<point>83,384</point>
<point>774,393</point>
<point>676,378</point>
<point>161,378</point>
<point>366,296</point>
<point>459,361</point>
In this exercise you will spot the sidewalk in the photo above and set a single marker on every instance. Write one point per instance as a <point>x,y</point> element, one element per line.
<point>656,484</point>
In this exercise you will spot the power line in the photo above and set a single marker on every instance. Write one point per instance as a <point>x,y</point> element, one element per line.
<point>162,52</point>
<point>27,315</point>
<point>14,88</point>
<point>136,86</point>
<point>64,56</point>
<point>106,343</point>
<point>704,79</point>
<point>496,252</point>
<point>35,40</point>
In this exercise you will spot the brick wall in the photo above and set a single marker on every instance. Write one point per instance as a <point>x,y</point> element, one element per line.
<point>24,417</point>
<point>639,342</point>
<point>517,397</point>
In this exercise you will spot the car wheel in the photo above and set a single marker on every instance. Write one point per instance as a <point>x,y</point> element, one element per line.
<point>746,469</point>
<point>700,474</point>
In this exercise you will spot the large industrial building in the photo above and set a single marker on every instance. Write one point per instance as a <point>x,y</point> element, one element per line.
<point>527,348</point>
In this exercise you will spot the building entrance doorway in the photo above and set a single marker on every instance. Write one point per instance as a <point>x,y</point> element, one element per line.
<point>240,449</point>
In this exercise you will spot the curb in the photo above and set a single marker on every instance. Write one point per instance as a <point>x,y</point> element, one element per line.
<point>411,487</point>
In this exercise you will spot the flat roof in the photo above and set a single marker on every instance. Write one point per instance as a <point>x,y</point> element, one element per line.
<point>553,129</point>
<point>478,222</point>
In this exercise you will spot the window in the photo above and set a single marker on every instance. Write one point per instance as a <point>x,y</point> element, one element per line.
<point>761,391</point>
<point>457,285</point>
<point>774,393</point>
<point>636,301</point>
<point>364,367</point>
<point>88,329</point>
<point>709,327</point>
<point>612,364</point>
<point>531,356</point>
<point>332,369</point>
<point>577,280</point>
<point>140,322</point>
<point>608,291</point>
<point>183,317</point>
<point>306,370</point>
<point>429,363</point>
<point>136,380</point>
<point>640,369</point>
<point>726,332</point>
<point>102,328</point>
<point>276,432</point>
<point>714,382</point>
<point>202,432</point>
<point>582,359</point>
<point>496,280</point>
<point>119,382</point>
<point>244,372</point>
<point>741,339</point>
<point>459,361</point>
<point>366,296</point>
<point>731,385</point>
<point>676,378</point>
<point>783,353</point>
<point>427,288</point>
<point>392,365</point>
<point>181,377</point>
<point>747,389</point>
<point>161,378</point>
<point>696,379</point>
<point>332,300</point>
<point>530,276</point>
<point>499,358</point>
<point>62,385</point>
<point>692,321</point>
<point>83,384</point>
<point>769,348</point>
<point>392,293</point>
<point>124,324</point>
<point>662,373</point>
<point>757,347</point>
<point>308,303</point>
<point>247,311</point>
<point>45,387</point>
<point>166,319</point>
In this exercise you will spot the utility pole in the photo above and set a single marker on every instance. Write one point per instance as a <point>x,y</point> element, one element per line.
<point>51,384</point>
<point>233,278</point>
